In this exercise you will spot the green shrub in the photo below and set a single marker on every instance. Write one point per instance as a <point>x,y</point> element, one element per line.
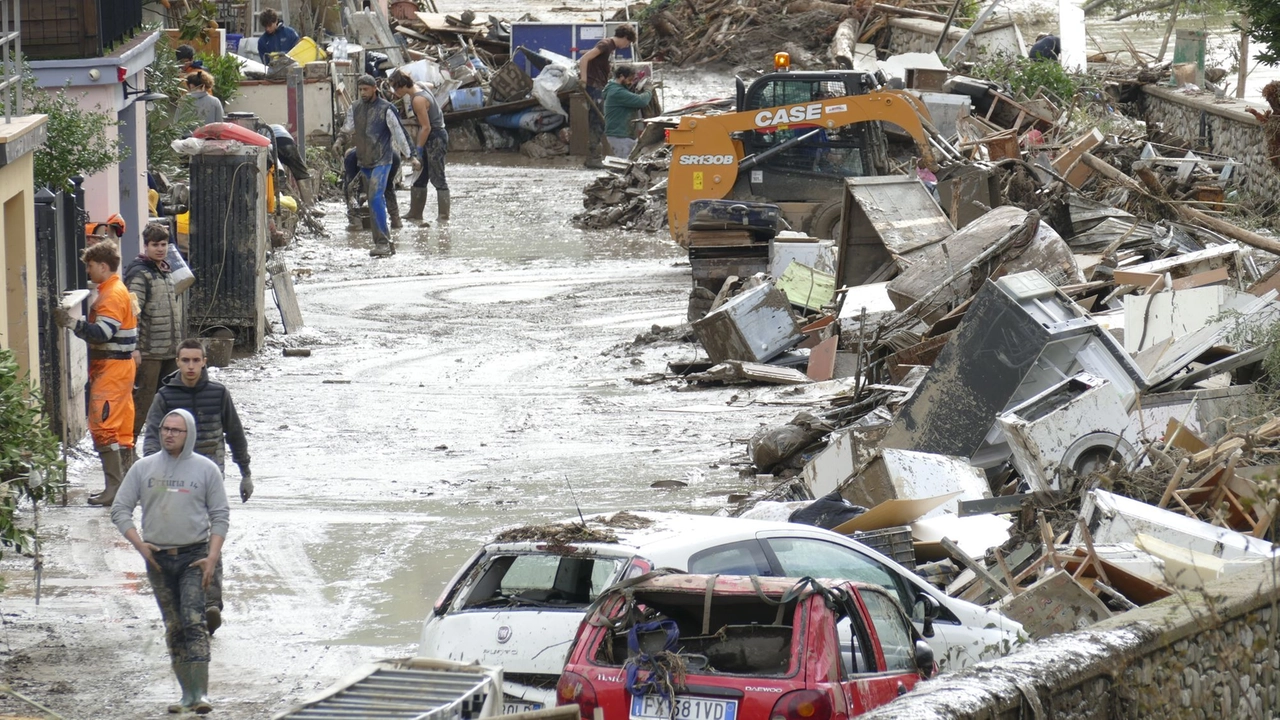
<point>31,466</point>
<point>225,70</point>
<point>1264,27</point>
<point>1026,76</point>
<point>76,141</point>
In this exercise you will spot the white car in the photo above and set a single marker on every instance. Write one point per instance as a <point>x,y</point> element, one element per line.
<point>518,604</point>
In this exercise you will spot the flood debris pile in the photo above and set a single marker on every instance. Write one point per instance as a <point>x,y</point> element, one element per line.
<point>485,87</point>
<point>558,534</point>
<point>748,32</point>
<point>1051,360</point>
<point>633,198</point>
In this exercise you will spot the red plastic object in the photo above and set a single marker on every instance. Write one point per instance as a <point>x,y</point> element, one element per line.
<point>230,131</point>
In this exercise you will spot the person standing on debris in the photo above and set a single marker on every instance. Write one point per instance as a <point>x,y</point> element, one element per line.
<point>375,128</point>
<point>185,516</point>
<point>218,424</point>
<point>160,318</point>
<point>621,106</point>
<point>112,334</point>
<point>287,151</point>
<point>276,36</point>
<point>593,73</point>
<point>207,108</point>
<point>429,149</point>
<point>1047,47</point>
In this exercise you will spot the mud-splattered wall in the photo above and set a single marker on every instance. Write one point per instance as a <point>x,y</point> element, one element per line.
<point>1220,126</point>
<point>1192,656</point>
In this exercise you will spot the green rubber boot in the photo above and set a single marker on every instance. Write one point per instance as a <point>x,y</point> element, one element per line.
<point>199,674</point>
<point>184,680</point>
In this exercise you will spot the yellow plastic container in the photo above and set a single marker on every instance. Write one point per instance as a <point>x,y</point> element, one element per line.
<point>184,232</point>
<point>306,51</point>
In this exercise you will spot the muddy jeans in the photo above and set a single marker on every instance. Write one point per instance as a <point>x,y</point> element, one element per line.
<point>377,178</point>
<point>432,157</point>
<point>178,591</point>
<point>144,388</point>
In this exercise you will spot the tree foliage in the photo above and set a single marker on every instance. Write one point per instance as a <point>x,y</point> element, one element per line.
<point>31,466</point>
<point>76,141</point>
<point>1264,27</point>
<point>1026,76</point>
<point>167,120</point>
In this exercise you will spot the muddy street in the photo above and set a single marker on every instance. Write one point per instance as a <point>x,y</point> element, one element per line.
<point>476,379</point>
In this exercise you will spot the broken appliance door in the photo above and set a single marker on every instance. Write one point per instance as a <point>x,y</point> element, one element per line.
<point>1067,431</point>
<point>1021,337</point>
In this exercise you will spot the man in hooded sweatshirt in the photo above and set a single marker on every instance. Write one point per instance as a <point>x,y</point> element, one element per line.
<point>217,423</point>
<point>185,516</point>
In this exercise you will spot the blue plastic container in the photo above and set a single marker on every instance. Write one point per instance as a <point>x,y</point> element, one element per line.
<point>466,99</point>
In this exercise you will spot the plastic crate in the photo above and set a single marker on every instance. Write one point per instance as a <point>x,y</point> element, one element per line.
<point>894,542</point>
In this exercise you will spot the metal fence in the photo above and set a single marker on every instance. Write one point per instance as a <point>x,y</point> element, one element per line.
<point>117,20</point>
<point>10,58</point>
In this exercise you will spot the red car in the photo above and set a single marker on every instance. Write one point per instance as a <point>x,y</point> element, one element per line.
<point>741,648</point>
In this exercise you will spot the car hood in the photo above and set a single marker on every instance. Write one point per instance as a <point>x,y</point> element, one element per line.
<point>521,641</point>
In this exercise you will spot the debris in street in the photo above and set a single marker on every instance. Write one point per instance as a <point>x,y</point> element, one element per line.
<point>559,534</point>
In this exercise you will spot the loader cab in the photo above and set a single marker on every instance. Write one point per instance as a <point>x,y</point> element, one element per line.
<point>789,88</point>
<point>803,172</point>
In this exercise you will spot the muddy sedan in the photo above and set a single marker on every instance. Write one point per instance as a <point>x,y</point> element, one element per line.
<point>518,601</point>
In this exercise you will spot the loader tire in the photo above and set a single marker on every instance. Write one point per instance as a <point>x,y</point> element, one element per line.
<point>824,223</point>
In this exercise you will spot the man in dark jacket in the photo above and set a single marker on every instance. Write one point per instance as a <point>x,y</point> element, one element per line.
<point>217,425</point>
<point>160,321</point>
<point>374,126</point>
<point>276,36</point>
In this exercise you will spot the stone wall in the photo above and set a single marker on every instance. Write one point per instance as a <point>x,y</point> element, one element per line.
<point>1197,656</point>
<point>1220,126</point>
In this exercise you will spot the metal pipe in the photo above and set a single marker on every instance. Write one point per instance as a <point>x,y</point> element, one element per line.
<point>750,162</point>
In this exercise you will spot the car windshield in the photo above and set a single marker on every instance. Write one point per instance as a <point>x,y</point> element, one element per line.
<point>734,635</point>
<point>540,580</point>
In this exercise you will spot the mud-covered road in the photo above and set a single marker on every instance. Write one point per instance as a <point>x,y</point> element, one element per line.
<point>465,384</point>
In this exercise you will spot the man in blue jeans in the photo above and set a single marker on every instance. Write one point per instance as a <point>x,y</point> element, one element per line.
<point>374,127</point>
<point>185,516</point>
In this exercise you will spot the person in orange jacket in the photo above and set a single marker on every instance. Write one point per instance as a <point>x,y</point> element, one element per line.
<point>112,334</point>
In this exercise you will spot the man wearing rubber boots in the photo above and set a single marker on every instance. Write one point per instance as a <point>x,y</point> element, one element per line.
<point>185,517</point>
<point>112,334</point>
<point>218,425</point>
<point>429,149</point>
<point>374,126</point>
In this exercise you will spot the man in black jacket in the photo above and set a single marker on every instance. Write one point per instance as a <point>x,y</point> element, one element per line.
<point>217,425</point>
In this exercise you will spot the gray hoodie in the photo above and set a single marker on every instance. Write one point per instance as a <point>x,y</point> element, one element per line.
<point>182,498</point>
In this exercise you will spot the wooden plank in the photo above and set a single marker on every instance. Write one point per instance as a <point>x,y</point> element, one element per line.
<point>822,360</point>
<point>977,567</point>
<point>286,298</point>
<point>1212,277</point>
<point>1078,147</point>
<point>892,513</point>
<point>713,238</point>
<point>772,374</point>
<point>1141,279</point>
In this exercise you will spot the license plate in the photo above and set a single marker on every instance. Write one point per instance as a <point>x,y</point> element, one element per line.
<point>511,707</point>
<point>654,707</point>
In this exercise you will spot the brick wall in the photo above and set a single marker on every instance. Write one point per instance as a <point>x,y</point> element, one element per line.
<point>1202,656</point>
